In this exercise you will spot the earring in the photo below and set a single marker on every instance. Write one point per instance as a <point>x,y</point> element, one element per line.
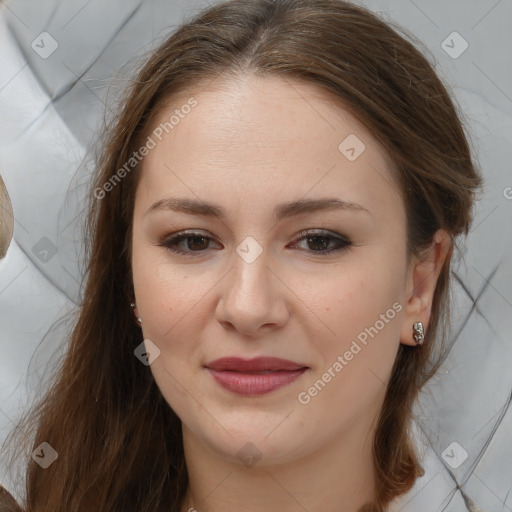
<point>418,333</point>
<point>139,319</point>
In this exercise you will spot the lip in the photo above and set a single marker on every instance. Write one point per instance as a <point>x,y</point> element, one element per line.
<point>257,376</point>
<point>257,364</point>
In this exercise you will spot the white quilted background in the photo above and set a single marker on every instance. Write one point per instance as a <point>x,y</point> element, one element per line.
<point>51,109</point>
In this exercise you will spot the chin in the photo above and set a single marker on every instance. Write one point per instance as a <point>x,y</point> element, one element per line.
<point>255,446</point>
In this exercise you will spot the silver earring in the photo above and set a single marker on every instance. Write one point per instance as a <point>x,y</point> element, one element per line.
<point>418,333</point>
<point>139,319</point>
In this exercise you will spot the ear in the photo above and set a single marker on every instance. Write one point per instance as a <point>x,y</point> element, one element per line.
<point>421,282</point>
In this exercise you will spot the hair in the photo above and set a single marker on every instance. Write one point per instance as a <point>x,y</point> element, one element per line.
<point>119,443</point>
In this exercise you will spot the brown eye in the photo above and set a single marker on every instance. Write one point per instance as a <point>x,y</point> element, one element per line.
<point>318,243</point>
<point>197,243</point>
<point>323,242</point>
<point>187,243</point>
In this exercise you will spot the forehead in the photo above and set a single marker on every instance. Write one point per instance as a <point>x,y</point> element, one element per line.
<point>261,138</point>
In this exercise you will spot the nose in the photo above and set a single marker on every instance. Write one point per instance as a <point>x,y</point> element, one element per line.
<point>253,299</point>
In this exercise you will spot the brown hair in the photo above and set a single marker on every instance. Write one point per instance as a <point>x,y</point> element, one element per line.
<point>119,443</point>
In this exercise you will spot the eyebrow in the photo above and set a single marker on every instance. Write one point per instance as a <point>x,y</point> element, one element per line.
<point>281,211</point>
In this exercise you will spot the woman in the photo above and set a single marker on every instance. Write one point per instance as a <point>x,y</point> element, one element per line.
<point>271,228</point>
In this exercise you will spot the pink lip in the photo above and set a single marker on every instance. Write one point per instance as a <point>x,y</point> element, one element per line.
<point>254,376</point>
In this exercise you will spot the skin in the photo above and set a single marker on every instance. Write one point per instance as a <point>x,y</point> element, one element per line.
<point>250,144</point>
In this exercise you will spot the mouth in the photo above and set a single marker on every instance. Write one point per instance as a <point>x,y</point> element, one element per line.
<point>254,376</point>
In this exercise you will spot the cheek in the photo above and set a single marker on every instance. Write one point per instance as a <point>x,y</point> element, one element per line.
<point>168,305</point>
<point>350,299</point>
<point>168,296</point>
<point>171,303</point>
<point>350,382</point>
<point>361,310</point>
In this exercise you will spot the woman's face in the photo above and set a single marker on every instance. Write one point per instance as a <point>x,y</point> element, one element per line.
<point>264,176</point>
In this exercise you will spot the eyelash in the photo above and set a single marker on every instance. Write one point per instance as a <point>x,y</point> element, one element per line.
<point>170,243</point>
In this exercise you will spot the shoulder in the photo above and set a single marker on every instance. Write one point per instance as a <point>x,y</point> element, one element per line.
<point>7,502</point>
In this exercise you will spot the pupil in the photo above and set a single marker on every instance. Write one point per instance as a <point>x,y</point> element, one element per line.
<point>194,239</point>
<point>319,246</point>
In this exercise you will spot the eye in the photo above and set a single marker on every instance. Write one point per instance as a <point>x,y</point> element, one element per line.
<point>316,241</point>
<point>187,243</point>
<point>323,242</point>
